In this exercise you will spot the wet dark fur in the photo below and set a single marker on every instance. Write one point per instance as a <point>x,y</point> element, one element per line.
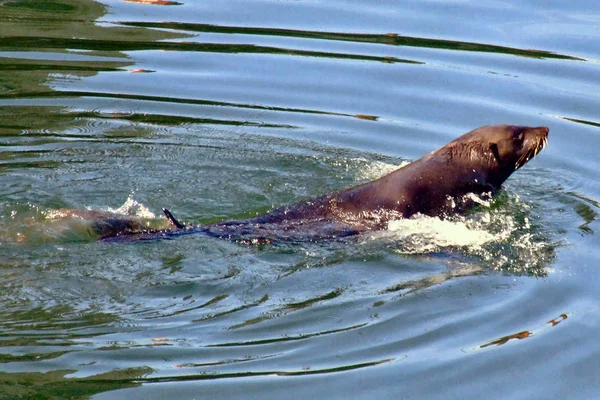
<point>437,184</point>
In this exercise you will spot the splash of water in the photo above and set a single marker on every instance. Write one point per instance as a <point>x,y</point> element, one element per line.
<point>132,207</point>
<point>369,171</point>
<point>32,224</point>
<point>499,233</point>
<point>501,239</point>
<point>423,234</point>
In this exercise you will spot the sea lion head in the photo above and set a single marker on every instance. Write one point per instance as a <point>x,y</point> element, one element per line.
<point>498,150</point>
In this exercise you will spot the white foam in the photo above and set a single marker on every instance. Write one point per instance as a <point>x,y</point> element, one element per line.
<point>422,234</point>
<point>133,207</point>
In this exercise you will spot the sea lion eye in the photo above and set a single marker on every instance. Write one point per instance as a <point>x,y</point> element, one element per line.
<point>518,134</point>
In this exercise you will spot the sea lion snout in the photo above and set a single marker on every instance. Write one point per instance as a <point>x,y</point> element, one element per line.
<point>537,136</point>
<point>542,131</point>
<point>534,141</point>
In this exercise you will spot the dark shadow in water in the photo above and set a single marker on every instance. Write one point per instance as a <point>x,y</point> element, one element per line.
<point>583,121</point>
<point>586,212</point>
<point>307,371</point>
<point>49,319</point>
<point>15,64</point>
<point>34,29</point>
<point>54,384</point>
<point>388,38</point>
<point>41,43</point>
<point>26,26</point>
<point>156,2</point>
<point>303,336</point>
<point>161,119</point>
<point>233,310</point>
<point>6,358</point>
<point>286,309</point>
<point>525,334</point>
<point>584,207</point>
<point>415,285</point>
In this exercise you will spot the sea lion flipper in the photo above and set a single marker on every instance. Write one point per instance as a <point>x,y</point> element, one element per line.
<point>173,220</point>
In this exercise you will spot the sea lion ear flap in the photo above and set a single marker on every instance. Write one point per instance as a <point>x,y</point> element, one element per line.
<point>495,152</point>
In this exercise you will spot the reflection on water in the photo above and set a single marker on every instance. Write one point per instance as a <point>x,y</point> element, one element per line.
<point>56,384</point>
<point>387,39</point>
<point>129,107</point>
<point>524,334</point>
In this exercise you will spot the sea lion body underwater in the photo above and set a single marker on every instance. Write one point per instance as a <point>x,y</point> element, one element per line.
<point>439,184</point>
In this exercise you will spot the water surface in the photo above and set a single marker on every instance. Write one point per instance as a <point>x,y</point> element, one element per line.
<point>227,110</point>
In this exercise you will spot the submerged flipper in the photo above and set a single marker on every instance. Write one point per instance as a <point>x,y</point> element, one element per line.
<point>171,218</point>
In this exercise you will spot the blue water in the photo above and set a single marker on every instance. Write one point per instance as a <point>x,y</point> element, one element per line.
<point>221,110</point>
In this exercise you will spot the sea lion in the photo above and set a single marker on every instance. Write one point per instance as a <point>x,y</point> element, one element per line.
<point>439,184</point>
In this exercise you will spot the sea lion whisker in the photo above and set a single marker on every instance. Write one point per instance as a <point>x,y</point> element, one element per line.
<point>521,161</point>
<point>527,156</point>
